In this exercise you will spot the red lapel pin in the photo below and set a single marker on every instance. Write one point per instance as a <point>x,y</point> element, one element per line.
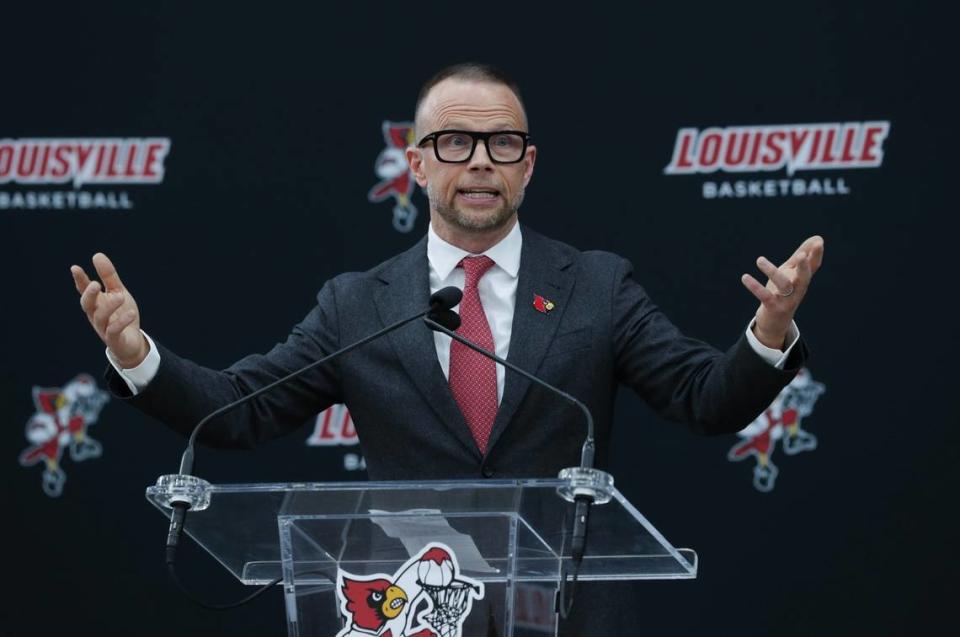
<point>541,304</point>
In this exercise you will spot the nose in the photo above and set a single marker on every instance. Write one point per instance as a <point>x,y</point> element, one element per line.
<point>481,158</point>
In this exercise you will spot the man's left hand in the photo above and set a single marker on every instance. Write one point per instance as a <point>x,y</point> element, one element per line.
<point>785,289</point>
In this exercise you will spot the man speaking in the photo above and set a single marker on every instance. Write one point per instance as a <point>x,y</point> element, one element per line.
<point>427,408</point>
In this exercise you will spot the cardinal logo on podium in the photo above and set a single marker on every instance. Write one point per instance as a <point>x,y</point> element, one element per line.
<point>426,597</point>
<point>60,422</point>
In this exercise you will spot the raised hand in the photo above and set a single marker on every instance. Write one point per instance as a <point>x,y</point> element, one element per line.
<point>785,289</point>
<point>112,311</point>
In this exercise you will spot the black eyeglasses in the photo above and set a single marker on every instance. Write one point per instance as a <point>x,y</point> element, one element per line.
<point>457,146</point>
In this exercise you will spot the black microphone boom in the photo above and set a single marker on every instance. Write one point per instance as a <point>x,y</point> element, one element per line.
<point>587,452</point>
<point>442,300</point>
<point>440,303</point>
<point>578,537</point>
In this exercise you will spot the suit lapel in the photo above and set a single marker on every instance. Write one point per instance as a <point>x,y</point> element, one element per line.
<point>544,271</point>
<point>408,292</point>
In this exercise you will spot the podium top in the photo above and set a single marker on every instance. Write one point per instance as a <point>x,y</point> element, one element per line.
<point>371,527</point>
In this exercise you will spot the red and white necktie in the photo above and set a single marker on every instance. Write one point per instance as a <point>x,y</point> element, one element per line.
<point>473,377</point>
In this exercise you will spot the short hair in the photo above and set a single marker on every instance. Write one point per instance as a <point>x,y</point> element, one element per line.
<point>470,71</point>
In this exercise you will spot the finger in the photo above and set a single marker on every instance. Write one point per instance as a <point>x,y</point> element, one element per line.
<point>756,288</point>
<point>110,303</point>
<point>88,300</point>
<point>80,278</point>
<point>805,267</point>
<point>119,321</point>
<point>780,280</point>
<point>808,247</point>
<point>815,252</point>
<point>108,273</point>
<point>804,273</point>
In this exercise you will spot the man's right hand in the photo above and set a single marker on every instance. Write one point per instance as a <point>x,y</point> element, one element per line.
<point>112,312</point>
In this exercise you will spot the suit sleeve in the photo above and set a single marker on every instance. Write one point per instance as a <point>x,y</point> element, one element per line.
<point>183,392</point>
<point>684,379</point>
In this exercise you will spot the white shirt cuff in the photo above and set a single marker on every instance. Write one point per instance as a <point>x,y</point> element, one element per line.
<point>773,356</point>
<point>137,378</point>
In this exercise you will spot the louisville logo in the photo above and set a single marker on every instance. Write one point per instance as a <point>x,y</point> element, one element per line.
<point>332,427</point>
<point>426,597</point>
<point>781,421</point>
<point>80,161</point>
<point>771,148</point>
<point>60,422</point>
<point>396,180</point>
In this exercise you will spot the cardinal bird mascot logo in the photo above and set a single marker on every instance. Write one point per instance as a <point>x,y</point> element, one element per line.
<point>427,597</point>
<point>61,421</point>
<point>782,421</point>
<point>396,180</point>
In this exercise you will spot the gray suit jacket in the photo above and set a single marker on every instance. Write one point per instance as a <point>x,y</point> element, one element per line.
<point>603,332</point>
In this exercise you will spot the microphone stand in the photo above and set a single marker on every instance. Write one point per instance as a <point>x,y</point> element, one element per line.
<point>185,491</point>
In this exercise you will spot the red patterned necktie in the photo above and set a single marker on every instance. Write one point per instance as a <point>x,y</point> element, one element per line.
<point>473,377</point>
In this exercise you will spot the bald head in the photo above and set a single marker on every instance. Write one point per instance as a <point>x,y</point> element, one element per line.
<point>431,102</point>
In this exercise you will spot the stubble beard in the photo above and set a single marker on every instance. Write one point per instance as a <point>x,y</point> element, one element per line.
<point>471,223</point>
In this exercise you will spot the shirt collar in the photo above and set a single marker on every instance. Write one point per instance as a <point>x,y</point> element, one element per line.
<point>444,256</point>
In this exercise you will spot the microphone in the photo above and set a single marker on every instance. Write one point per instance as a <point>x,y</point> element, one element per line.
<point>440,303</point>
<point>447,318</point>
<point>583,498</point>
<point>446,298</point>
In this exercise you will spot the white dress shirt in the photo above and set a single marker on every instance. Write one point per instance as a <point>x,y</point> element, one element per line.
<point>497,289</point>
<point>498,294</point>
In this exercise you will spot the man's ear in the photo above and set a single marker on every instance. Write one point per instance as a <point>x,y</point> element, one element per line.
<point>529,160</point>
<point>415,160</point>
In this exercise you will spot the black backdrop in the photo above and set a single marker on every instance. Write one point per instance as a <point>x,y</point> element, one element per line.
<point>274,116</point>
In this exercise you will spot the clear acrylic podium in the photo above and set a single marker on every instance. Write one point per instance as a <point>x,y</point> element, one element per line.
<point>511,535</point>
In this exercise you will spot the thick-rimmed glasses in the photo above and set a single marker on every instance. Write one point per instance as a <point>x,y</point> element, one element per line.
<point>457,146</point>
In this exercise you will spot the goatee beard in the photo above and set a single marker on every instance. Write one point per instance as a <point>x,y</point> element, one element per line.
<point>456,217</point>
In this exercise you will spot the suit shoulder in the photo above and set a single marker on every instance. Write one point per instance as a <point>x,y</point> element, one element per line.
<point>375,276</point>
<point>603,260</point>
<point>600,263</point>
<point>350,285</point>
<point>573,254</point>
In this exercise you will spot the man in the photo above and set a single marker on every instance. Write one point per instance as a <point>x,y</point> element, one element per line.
<point>426,408</point>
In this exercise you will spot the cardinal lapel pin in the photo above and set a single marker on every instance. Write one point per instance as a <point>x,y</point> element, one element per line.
<point>542,305</point>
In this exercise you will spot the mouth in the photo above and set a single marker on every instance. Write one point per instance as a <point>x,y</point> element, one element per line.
<point>397,603</point>
<point>479,195</point>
